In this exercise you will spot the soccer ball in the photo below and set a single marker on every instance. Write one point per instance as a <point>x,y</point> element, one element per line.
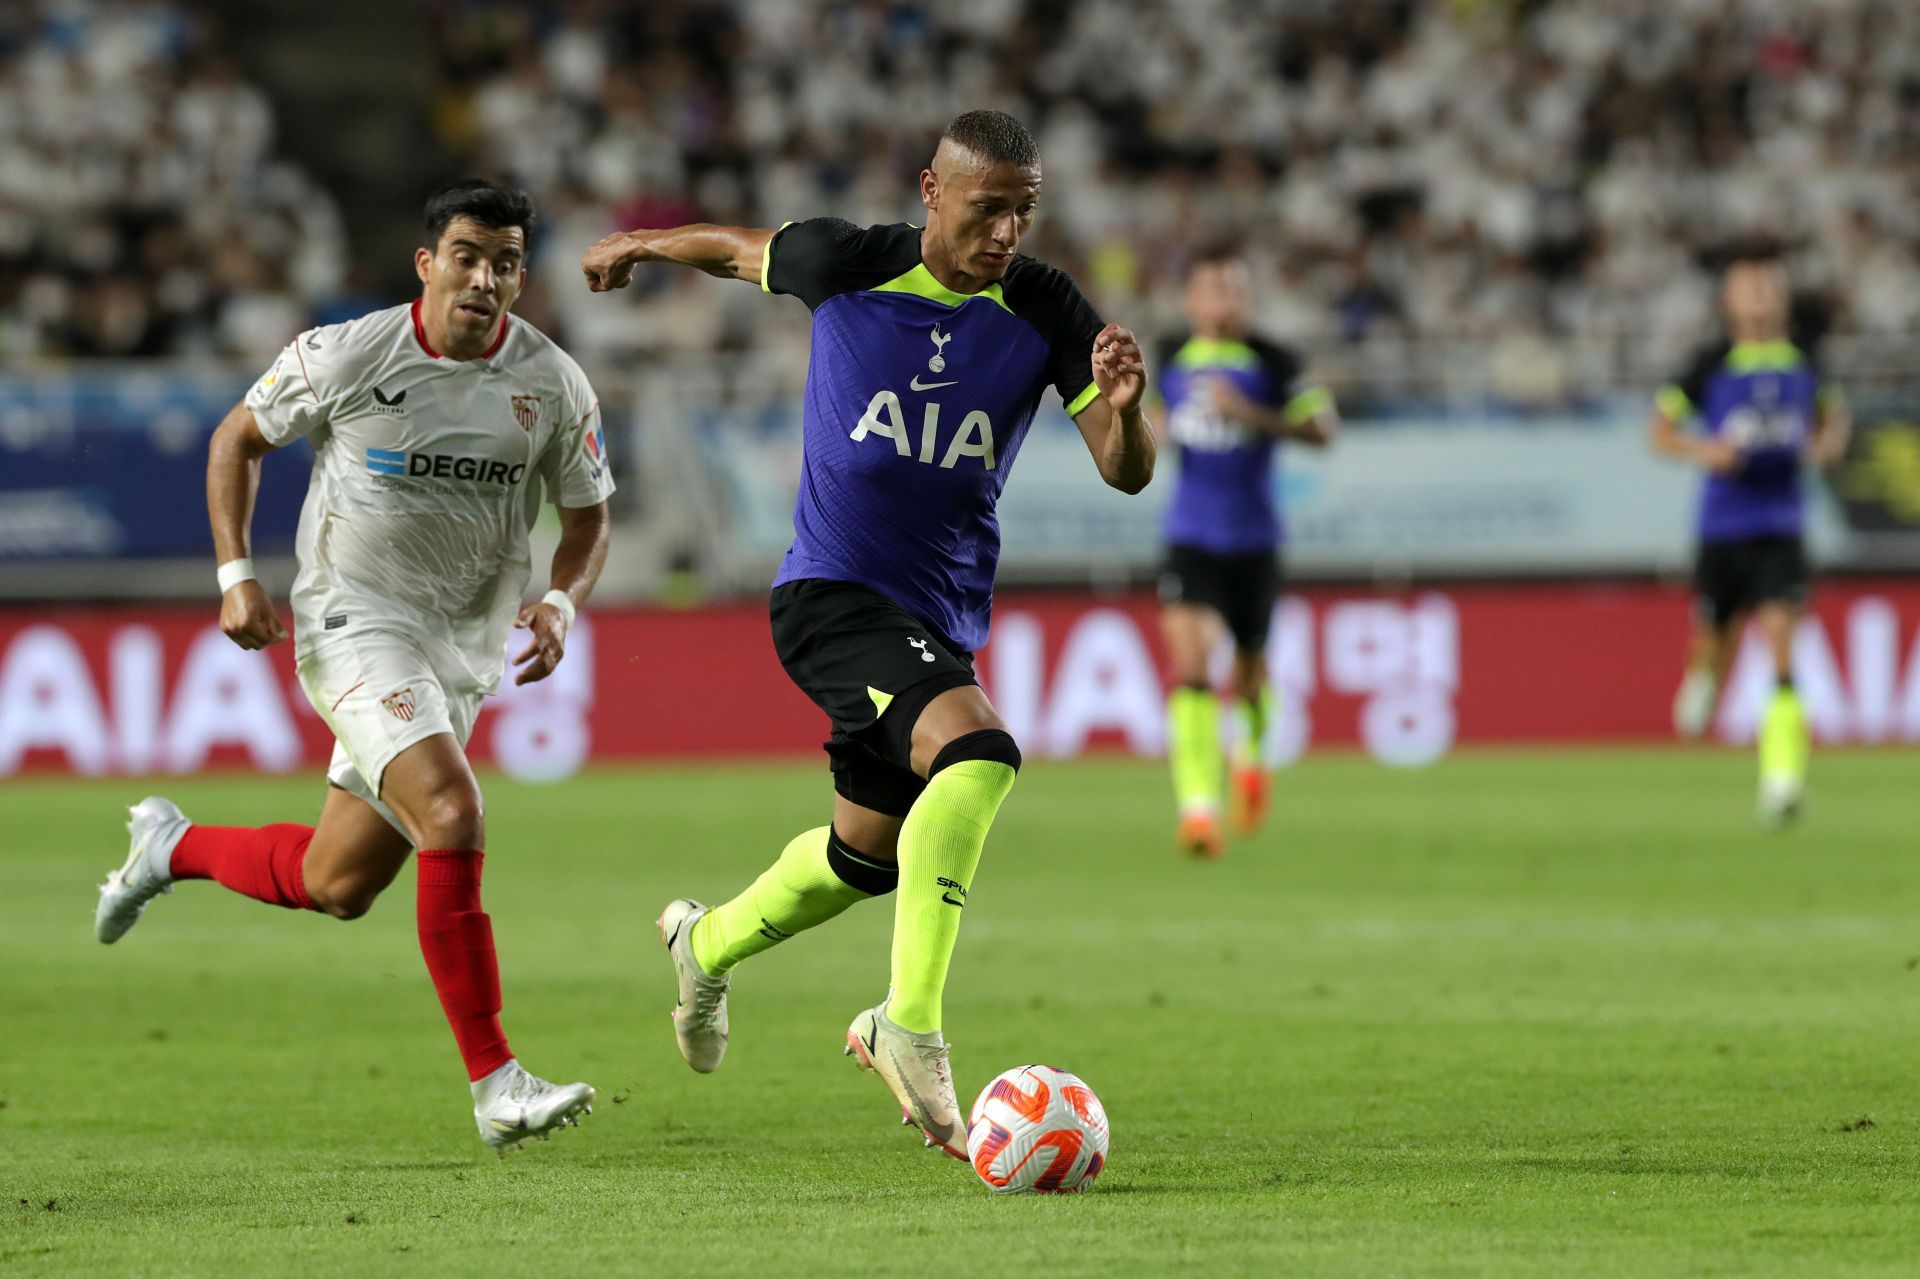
<point>1037,1128</point>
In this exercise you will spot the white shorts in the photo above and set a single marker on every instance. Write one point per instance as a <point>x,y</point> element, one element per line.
<point>380,692</point>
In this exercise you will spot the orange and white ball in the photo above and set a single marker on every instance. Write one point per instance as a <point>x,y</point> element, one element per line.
<point>1037,1128</point>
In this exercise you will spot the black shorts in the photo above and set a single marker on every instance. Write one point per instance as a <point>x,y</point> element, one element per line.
<point>872,667</point>
<point>1731,578</point>
<point>1240,586</point>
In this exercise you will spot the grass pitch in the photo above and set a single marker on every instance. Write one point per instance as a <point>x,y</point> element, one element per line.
<point>1515,1015</point>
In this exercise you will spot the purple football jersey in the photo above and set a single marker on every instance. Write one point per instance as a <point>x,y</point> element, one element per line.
<point>1224,501</point>
<point>917,401</point>
<point>1763,396</point>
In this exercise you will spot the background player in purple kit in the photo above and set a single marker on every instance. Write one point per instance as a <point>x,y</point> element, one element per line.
<point>1763,413</point>
<point>1231,396</point>
<point>931,350</point>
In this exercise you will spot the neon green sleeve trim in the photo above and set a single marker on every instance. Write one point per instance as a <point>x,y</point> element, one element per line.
<point>766,259</point>
<point>1080,401</point>
<point>1302,407</point>
<point>1674,403</point>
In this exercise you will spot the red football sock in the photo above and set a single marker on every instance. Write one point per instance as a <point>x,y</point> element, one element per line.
<point>457,939</point>
<point>263,862</point>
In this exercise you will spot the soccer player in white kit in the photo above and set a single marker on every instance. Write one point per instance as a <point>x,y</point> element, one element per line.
<point>435,428</point>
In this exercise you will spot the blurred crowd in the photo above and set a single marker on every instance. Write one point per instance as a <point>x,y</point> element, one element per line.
<point>1510,172</point>
<point>142,210</point>
<point>1529,174</point>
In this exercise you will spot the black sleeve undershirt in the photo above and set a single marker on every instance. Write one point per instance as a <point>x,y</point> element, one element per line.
<point>821,257</point>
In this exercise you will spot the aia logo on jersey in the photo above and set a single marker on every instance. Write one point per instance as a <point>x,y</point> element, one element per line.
<point>1194,424</point>
<point>526,411</point>
<point>886,419</point>
<point>398,704</point>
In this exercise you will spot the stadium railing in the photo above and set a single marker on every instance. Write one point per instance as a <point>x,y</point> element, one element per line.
<point>1461,459</point>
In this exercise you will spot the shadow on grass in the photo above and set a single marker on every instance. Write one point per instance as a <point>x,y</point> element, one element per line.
<point>429,1165</point>
<point>1211,1189</point>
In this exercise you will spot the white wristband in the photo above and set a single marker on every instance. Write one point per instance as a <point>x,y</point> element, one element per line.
<point>234,572</point>
<point>562,601</point>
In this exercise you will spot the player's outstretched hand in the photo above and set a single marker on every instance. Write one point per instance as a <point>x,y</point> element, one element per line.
<point>1722,457</point>
<point>247,617</point>
<point>1119,369</point>
<point>1230,402</point>
<point>609,264</point>
<point>548,627</point>
<point>1827,450</point>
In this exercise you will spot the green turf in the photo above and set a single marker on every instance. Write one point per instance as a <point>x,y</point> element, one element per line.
<point>1515,1015</point>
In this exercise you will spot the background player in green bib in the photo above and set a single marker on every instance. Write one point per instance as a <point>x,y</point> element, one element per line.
<point>1231,397</point>
<point>931,350</point>
<point>1762,412</point>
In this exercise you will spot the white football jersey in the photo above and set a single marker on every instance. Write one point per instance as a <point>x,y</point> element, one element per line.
<point>427,477</point>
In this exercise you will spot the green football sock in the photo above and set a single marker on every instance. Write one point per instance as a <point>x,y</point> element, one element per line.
<point>1784,743</point>
<point>1193,748</point>
<point>807,886</point>
<point>940,847</point>
<point>1249,745</point>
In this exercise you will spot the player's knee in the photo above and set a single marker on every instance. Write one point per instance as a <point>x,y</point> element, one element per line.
<point>453,817</point>
<point>995,745</point>
<point>346,896</point>
<point>1192,674</point>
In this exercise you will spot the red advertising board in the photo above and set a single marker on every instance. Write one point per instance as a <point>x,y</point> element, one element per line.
<point>1408,676</point>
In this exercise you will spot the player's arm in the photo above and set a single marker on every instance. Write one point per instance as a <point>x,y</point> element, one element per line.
<point>1676,405</point>
<point>1114,423</point>
<point>233,480</point>
<point>1832,428</point>
<point>1667,437</point>
<point>577,561</point>
<point>730,252</point>
<point>1309,417</point>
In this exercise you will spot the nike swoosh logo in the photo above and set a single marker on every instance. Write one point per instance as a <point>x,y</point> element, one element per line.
<point>948,899</point>
<point>518,1125</point>
<point>918,385</point>
<point>873,1037</point>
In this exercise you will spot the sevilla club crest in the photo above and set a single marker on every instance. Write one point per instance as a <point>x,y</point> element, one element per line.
<point>399,705</point>
<point>526,410</point>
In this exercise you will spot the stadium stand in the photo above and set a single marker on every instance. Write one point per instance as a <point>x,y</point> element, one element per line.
<point>1493,172</point>
<point>144,206</point>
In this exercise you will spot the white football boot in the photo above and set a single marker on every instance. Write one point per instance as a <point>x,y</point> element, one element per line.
<point>510,1106</point>
<point>700,1011</point>
<point>1693,705</point>
<point>915,1068</point>
<point>155,825</point>
<point>1782,799</point>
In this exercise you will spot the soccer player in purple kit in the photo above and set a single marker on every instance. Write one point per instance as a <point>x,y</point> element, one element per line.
<point>1231,396</point>
<point>932,348</point>
<point>1763,411</point>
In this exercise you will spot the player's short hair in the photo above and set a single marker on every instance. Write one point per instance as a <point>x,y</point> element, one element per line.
<point>1749,252</point>
<point>491,204</point>
<point>1216,253</point>
<point>995,137</point>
